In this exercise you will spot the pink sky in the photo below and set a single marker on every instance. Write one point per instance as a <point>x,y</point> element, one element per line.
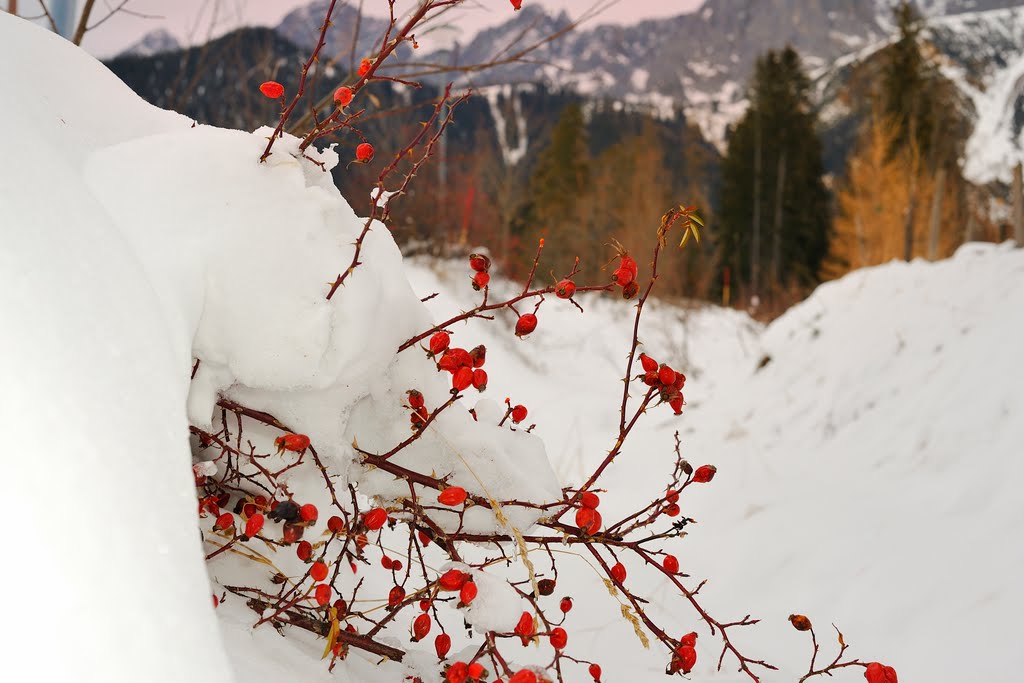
<point>195,20</point>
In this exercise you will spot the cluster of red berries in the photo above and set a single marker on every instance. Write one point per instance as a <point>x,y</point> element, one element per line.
<point>668,382</point>
<point>480,264</point>
<point>879,673</point>
<point>588,519</point>
<point>625,276</point>
<point>685,656</point>
<point>255,511</point>
<point>466,367</point>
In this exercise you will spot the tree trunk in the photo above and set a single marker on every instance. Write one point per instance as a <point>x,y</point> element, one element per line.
<point>908,224</point>
<point>936,217</point>
<point>1018,207</point>
<point>780,188</point>
<point>755,246</point>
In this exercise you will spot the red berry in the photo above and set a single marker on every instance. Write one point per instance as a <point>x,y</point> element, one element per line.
<point>517,5</point>
<point>396,596</point>
<point>588,520</point>
<point>397,565</point>
<point>519,413</point>
<point>671,564</point>
<point>304,550</point>
<point>595,671</point>
<point>524,627</point>
<point>879,673</point>
<point>309,512</point>
<point>526,324</point>
<point>672,496</point>
<point>253,525</point>
<point>558,638</point>
<point>439,343</point>
<point>458,673</point>
<point>565,604</point>
<point>666,375</point>
<point>480,379</point>
<point>364,67</point>
<point>481,280</point>
<point>322,594</point>
<point>468,593</point>
<point>425,605</point>
<point>225,521</point>
<point>630,290</point>
<point>341,606</point>
<point>684,658</point>
<point>672,510</point>
<point>318,571</point>
<point>343,96</point>
<point>335,524</point>
<point>479,355</point>
<point>546,586</point>
<point>619,572</point>
<point>462,379</point>
<point>291,533</point>
<point>628,264</point>
<point>442,644</point>
<point>677,404</point>
<point>420,627</point>
<point>479,262</point>
<point>216,601</point>
<point>690,639</point>
<point>292,442</point>
<point>415,399</point>
<point>452,496</point>
<point>375,518</point>
<point>648,363</point>
<point>565,289</point>
<point>523,675</point>
<point>386,562</point>
<point>476,670</point>
<point>704,474</point>
<point>424,539</point>
<point>452,580</point>
<point>364,152</point>
<point>419,417</point>
<point>651,378</point>
<point>272,89</point>
<point>589,499</point>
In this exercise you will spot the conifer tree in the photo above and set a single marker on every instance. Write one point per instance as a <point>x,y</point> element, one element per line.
<point>774,210</point>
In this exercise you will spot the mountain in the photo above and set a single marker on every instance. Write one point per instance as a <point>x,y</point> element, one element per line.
<point>701,61</point>
<point>157,41</point>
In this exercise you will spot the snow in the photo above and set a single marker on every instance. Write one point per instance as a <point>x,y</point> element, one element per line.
<point>867,442</point>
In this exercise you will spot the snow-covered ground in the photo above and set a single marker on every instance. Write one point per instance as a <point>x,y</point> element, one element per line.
<point>868,443</point>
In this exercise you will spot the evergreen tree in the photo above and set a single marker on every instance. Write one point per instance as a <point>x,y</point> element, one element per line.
<point>556,188</point>
<point>907,97</point>
<point>775,211</point>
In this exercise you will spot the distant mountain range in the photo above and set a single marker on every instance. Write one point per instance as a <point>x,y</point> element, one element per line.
<point>701,62</point>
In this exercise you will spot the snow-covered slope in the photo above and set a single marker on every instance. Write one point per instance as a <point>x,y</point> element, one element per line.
<point>868,472</point>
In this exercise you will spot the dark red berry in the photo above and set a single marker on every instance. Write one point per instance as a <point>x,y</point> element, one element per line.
<point>565,289</point>
<point>526,324</point>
